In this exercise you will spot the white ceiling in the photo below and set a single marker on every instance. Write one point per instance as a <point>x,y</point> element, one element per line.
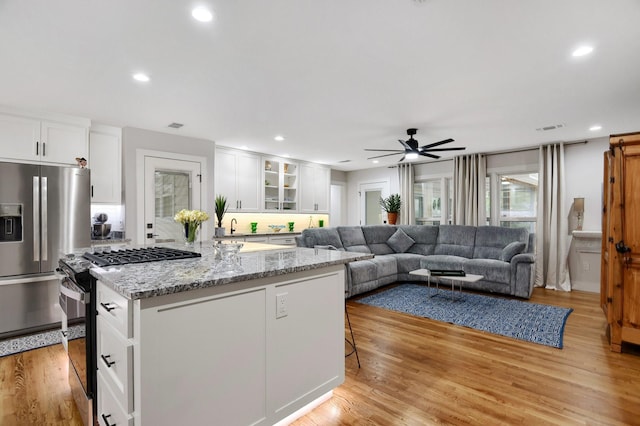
<point>332,76</point>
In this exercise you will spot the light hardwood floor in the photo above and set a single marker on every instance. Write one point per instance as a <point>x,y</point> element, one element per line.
<point>417,371</point>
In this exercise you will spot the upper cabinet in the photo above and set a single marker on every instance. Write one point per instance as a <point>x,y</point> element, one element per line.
<point>280,184</point>
<point>237,177</point>
<point>43,138</point>
<point>105,162</point>
<point>315,184</point>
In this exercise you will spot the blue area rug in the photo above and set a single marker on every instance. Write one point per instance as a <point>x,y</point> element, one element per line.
<point>531,322</point>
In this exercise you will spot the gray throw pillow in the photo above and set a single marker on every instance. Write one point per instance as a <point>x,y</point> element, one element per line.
<point>511,250</point>
<point>400,242</point>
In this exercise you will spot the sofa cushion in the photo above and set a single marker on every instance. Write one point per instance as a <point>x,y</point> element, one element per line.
<point>456,240</point>
<point>443,261</point>
<point>353,239</point>
<point>425,238</point>
<point>400,242</point>
<point>490,269</point>
<point>407,262</point>
<point>362,271</point>
<point>321,237</point>
<point>513,248</point>
<point>376,237</point>
<point>385,266</point>
<point>491,240</point>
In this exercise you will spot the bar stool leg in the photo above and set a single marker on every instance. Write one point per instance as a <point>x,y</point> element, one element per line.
<point>351,342</point>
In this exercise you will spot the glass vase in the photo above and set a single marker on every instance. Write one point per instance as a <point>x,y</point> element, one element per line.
<point>190,230</point>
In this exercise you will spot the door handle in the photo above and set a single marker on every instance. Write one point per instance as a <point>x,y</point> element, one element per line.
<point>105,358</point>
<point>36,217</point>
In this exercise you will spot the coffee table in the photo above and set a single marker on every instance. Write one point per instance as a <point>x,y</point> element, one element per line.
<point>468,278</point>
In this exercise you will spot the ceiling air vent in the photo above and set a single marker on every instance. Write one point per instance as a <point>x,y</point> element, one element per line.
<point>552,127</point>
<point>175,125</point>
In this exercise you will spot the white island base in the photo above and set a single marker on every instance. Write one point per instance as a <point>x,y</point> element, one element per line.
<point>246,353</point>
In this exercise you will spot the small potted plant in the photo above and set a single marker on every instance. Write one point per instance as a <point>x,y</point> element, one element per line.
<point>391,205</point>
<point>221,209</point>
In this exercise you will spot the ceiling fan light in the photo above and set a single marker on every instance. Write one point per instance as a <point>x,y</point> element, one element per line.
<point>411,155</point>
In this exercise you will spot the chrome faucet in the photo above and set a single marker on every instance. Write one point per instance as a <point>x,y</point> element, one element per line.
<point>232,228</point>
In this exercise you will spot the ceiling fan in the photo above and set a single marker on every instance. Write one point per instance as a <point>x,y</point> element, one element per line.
<point>412,151</point>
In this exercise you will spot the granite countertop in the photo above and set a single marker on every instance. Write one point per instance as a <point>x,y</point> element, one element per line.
<point>143,280</point>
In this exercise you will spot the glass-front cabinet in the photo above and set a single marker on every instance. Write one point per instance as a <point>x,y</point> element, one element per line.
<point>280,184</point>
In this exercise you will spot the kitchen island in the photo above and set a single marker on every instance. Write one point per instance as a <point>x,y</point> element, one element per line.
<point>179,342</point>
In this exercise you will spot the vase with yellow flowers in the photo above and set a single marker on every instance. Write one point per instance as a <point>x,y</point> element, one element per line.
<point>191,219</point>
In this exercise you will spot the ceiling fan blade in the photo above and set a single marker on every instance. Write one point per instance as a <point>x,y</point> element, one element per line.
<point>436,143</point>
<point>387,150</point>
<point>429,155</point>
<point>457,148</point>
<point>385,155</point>
<point>405,144</point>
<point>402,159</point>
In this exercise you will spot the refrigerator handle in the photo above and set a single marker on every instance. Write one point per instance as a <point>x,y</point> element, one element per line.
<point>36,219</point>
<point>45,231</point>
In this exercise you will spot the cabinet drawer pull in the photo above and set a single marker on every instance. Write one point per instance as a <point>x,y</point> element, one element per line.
<point>108,306</point>
<point>106,361</point>
<point>106,422</point>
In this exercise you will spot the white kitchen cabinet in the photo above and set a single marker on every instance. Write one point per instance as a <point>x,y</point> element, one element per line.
<point>283,240</point>
<point>280,184</point>
<point>45,138</point>
<point>237,177</point>
<point>246,374</point>
<point>105,162</point>
<point>315,187</point>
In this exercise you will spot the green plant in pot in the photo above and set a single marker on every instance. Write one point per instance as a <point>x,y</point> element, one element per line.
<point>391,205</point>
<point>221,209</point>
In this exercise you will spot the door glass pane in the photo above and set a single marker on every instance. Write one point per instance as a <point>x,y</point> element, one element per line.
<point>373,211</point>
<point>428,202</point>
<point>171,195</point>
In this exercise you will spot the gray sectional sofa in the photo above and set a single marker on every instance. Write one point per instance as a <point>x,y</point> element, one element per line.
<point>504,256</point>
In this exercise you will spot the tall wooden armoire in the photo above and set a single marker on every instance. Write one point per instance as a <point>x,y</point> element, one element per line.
<point>620,271</point>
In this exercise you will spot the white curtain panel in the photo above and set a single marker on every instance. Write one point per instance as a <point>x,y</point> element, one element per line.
<point>407,212</point>
<point>469,173</point>
<point>552,228</point>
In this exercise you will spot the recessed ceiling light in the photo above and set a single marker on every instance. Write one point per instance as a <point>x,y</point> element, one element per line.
<point>244,147</point>
<point>279,138</point>
<point>595,128</point>
<point>375,161</point>
<point>202,14</point>
<point>582,51</point>
<point>142,77</point>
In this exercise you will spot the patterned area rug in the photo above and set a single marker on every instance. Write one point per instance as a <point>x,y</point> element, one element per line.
<point>39,340</point>
<point>531,322</point>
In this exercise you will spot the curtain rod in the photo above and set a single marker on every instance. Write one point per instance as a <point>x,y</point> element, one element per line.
<point>511,151</point>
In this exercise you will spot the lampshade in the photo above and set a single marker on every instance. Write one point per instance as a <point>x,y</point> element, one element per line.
<point>578,205</point>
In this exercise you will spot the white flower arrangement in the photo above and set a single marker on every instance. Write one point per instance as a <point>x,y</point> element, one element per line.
<point>191,219</point>
<point>195,217</point>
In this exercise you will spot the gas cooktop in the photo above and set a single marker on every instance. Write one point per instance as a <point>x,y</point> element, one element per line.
<point>141,255</point>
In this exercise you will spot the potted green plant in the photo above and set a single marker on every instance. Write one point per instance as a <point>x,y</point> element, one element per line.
<point>221,209</point>
<point>391,205</point>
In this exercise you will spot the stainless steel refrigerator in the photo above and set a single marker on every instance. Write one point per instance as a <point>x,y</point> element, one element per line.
<point>44,212</point>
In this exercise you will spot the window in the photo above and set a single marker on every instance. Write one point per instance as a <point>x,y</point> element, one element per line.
<point>517,195</point>
<point>428,202</point>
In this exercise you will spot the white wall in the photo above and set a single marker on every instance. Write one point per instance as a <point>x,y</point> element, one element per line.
<point>584,166</point>
<point>358,177</point>
<point>134,139</point>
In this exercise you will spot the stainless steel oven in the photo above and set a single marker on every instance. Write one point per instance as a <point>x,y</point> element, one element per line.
<point>77,301</point>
